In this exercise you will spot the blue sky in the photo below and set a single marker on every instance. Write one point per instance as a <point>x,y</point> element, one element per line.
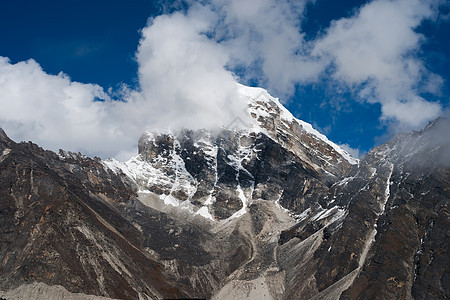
<point>359,71</point>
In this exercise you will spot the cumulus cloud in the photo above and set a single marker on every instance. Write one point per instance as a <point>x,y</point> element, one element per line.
<point>51,109</point>
<point>182,74</point>
<point>183,82</point>
<point>189,63</point>
<point>58,113</point>
<point>265,38</point>
<point>375,52</point>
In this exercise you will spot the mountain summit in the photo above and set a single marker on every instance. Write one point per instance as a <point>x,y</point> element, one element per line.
<point>266,208</point>
<point>218,174</point>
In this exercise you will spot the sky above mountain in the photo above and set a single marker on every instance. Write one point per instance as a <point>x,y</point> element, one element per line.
<point>91,76</point>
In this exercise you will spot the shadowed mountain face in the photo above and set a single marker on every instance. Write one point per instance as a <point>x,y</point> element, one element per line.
<point>274,210</point>
<point>61,223</point>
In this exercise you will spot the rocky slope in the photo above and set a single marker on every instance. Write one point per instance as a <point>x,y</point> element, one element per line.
<point>61,224</point>
<point>266,209</point>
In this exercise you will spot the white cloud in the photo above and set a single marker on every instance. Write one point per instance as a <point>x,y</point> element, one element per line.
<point>185,79</point>
<point>182,74</point>
<point>374,52</point>
<point>55,111</point>
<point>265,38</point>
<point>356,153</point>
<point>183,83</point>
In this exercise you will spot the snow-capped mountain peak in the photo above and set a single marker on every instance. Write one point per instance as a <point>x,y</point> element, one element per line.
<point>271,116</point>
<point>218,174</point>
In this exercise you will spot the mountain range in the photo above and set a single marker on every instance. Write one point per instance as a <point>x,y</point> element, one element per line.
<point>265,208</point>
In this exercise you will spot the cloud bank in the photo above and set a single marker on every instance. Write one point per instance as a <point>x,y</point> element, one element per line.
<point>189,63</point>
<point>182,74</point>
<point>53,110</point>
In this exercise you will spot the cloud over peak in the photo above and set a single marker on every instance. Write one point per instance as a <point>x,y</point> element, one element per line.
<point>189,63</point>
<point>182,74</point>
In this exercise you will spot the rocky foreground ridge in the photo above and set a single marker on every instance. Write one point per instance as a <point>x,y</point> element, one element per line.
<point>269,210</point>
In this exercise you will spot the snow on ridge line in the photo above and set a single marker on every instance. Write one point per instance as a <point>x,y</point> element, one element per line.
<point>308,128</point>
<point>257,93</point>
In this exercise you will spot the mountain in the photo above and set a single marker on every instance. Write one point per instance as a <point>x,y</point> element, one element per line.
<point>265,208</point>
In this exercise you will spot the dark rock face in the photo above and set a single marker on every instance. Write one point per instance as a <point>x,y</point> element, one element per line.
<point>230,163</point>
<point>410,254</point>
<point>62,223</point>
<point>277,212</point>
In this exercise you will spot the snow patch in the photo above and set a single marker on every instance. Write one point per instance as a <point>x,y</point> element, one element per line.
<point>204,212</point>
<point>169,200</point>
<point>4,154</point>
